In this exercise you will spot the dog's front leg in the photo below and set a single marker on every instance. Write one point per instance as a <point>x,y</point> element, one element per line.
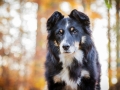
<point>87,84</point>
<point>55,86</point>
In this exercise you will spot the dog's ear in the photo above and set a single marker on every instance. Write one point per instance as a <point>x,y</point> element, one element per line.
<point>55,17</point>
<point>82,18</point>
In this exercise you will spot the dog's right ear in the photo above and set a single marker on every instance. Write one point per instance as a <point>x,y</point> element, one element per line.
<point>55,17</point>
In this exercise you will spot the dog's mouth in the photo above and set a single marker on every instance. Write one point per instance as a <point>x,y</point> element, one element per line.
<point>68,52</point>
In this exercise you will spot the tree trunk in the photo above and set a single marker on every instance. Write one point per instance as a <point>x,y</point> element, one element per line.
<point>109,47</point>
<point>117,39</point>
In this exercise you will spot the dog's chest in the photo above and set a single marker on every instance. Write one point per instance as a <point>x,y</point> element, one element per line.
<point>64,74</point>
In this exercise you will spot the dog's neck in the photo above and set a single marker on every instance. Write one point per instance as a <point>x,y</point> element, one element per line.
<point>67,59</point>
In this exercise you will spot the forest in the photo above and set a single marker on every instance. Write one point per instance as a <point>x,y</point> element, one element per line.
<point>23,39</point>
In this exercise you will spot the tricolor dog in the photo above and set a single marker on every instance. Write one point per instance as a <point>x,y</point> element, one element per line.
<point>72,60</point>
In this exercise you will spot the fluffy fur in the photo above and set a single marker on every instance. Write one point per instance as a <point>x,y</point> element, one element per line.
<point>72,60</point>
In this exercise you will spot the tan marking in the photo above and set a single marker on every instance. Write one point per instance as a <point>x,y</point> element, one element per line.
<point>56,43</point>
<point>85,74</point>
<point>71,28</point>
<point>61,31</point>
<point>77,45</point>
<point>83,39</point>
<point>56,79</point>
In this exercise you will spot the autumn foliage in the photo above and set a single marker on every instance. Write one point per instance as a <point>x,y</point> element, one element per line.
<point>23,38</point>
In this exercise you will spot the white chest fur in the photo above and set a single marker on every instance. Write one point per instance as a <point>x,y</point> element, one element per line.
<point>67,60</point>
<point>64,76</point>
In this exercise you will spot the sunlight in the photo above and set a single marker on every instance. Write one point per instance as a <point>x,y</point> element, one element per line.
<point>13,13</point>
<point>65,6</point>
<point>18,20</point>
<point>8,41</point>
<point>114,80</point>
<point>32,24</point>
<point>4,21</point>
<point>15,49</point>
<point>14,32</point>
<point>104,82</point>
<point>28,5</point>
<point>27,43</point>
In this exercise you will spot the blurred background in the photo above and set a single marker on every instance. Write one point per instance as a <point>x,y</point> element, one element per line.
<point>23,40</point>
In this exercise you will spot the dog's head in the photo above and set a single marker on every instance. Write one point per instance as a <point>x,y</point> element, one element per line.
<point>68,33</point>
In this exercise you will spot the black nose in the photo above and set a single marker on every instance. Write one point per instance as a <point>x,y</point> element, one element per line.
<point>66,47</point>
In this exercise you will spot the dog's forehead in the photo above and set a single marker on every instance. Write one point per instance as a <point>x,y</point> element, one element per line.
<point>66,22</point>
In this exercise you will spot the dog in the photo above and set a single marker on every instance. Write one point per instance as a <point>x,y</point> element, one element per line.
<point>72,60</point>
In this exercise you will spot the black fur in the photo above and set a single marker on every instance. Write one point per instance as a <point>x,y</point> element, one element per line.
<point>90,60</point>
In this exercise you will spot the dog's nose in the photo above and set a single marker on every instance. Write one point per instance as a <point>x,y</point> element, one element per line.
<point>66,47</point>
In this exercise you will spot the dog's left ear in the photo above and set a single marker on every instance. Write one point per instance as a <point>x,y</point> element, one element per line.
<point>82,18</point>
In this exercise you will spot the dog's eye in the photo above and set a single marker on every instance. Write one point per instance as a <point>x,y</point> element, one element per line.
<point>73,31</point>
<point>60,32</point>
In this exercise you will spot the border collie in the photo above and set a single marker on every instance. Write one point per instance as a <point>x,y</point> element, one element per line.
<point>72,60</point>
